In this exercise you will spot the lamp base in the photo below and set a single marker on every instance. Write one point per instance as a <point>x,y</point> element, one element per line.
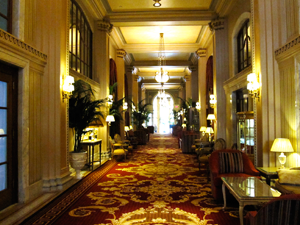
<point>282,159</point>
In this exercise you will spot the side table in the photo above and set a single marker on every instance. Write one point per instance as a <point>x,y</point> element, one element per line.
<point>91,150</point>
<point>268,172</point>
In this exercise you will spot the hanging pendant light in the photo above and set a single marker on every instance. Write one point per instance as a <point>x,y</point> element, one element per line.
<point>156,3</point>
<point>162,76</point>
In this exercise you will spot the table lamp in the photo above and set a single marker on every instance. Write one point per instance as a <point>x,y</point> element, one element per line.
<point>109,119</point>
<point>282,145</point>
<point>203,129</point>
<point>210,131</point>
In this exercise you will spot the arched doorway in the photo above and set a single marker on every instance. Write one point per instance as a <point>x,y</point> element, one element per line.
<point>163,105</point>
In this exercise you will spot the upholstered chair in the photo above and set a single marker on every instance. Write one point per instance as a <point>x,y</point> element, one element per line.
<point>283,210</point>
<point>117,149</point>
<point>204,154</point>
<point>228,163</point>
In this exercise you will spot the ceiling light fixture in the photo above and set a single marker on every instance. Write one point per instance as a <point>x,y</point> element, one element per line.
<point>156,3</point>
<point>161,76</point>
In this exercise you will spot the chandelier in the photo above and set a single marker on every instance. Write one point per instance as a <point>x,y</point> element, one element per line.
<point>161,76</point>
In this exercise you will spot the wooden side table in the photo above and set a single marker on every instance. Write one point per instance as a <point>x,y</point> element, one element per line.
<point>91,150</point>
<point>268,172</point>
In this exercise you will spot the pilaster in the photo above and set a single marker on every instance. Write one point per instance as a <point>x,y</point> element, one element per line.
<point>202,85</point>
<point>221,73</point>
<point>101,67</point>
<point>121,53</point>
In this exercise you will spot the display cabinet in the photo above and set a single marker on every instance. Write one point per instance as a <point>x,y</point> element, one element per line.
<point>245,134</point>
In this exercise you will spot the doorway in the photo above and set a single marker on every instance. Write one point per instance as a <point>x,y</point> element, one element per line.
<point>8,135</point>
<point>163,105</point>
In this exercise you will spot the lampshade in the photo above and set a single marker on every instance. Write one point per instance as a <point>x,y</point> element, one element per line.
<point>130,127</point>
<point>282,145</point>
<point>202,128</point>
<point>126,128</point>
<point>211,117</point>
<point>110,118</point>
<point>209,130</point>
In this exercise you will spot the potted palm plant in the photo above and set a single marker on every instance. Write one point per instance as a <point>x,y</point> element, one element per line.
<point>83,110</point>
<point>141,115</point>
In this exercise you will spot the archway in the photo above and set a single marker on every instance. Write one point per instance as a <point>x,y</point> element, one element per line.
<point>163,105</point>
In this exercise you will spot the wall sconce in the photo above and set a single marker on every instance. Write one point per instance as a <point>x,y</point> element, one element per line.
<point>68,87</point>
<point>109,119</point>
<point>253,85</point>
<point>133,107</point>
<point>198,106</point>
<point>156,3</point>
<point>212,101</point>
<point>282,145</point>
<point>125,106</point>
<point>211,117</point>
<point>109,100</point>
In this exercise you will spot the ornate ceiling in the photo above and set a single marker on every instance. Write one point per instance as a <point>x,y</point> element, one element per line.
<point>137,25</point>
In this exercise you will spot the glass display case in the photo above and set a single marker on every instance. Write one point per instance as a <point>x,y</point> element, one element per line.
<point>245,135</point>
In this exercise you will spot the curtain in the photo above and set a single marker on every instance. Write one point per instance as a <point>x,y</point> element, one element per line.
<point>209,85</point>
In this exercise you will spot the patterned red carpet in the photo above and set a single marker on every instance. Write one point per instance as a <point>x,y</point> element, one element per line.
<point>157,184</point>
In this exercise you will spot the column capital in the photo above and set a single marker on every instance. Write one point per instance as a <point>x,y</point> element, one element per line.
<point>217,24</point>
<point>121,53</point>
<point>104,25</point>
<point>192,68</point>
<point>136,77</point>
<point>187,78</point>
<point>201,52</point>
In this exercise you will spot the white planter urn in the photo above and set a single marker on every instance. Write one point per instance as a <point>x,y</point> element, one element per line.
<point>78,160</point>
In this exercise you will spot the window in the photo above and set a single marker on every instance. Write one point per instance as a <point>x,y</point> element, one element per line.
<point>244,47</point>
<point>80,38</point>
<point>6,15</point>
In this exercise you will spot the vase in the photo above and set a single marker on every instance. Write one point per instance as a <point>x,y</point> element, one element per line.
<point>78,161</point>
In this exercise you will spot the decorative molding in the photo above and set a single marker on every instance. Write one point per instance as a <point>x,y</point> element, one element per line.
<point>193,68</point>
<point>201,52</point>
<point>12,40</point>
<point>217,24</point>
<point>104,25</point>
<point>187,78</point>
<point>289,49</point>
<point>121,53</point>
<point>194,58</point>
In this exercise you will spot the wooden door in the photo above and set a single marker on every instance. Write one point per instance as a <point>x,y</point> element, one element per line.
<point>8,135</point>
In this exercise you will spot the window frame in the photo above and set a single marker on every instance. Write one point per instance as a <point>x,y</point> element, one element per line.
<point>244,47</point>
<point>8,18</point>
<point>80,55</point>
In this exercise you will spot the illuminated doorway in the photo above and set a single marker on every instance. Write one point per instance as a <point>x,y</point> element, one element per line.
<point>163,113</point>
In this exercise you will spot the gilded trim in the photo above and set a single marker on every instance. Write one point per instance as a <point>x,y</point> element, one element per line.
<point>287,46</point>
<point>10,39</point>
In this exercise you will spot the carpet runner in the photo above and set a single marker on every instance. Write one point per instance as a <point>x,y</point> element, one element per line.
<point>157,184</point>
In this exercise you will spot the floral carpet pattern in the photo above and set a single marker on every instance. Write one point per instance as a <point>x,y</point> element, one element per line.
<point>156,184</point>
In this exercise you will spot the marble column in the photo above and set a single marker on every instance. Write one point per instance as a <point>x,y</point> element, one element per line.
<point>121,53</point>
<point>221,74</point>
<point>101,69</point>
<point>202,85</point>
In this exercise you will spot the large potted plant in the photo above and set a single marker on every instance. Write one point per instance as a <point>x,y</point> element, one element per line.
<point>83,110</point>
<point>140,116</point>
